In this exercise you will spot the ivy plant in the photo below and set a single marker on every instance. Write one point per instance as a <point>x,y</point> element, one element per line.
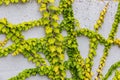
<point>54,44</point>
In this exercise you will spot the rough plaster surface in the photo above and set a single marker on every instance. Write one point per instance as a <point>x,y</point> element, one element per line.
<point>87,12</point>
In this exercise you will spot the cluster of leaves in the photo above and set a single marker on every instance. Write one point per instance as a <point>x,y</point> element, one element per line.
<point>101,18</point>
<point>7,2</point>
<point>54,44</point>
<point>117,75</point>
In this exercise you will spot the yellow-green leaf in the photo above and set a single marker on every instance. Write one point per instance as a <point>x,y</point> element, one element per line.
<point>51,1</point>
<point>51,40</point>
<point>3,21</point>
<point>56,68</point>
<point>48,30</point>
<point>52,48</point>
<point>55,17</point>
<point>59,50</point>
<point>39,1</point>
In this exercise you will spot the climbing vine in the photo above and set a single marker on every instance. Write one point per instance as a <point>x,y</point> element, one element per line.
<point>54,44</point>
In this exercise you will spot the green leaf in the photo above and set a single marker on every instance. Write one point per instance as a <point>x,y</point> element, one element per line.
<point>24,1</point>
<point>51,1</point>
<point>48,30</point>
<point>55,17</point>
<point>43,7</point>
<point>14,38</point>
<point>1,2</point>
<point>30,58</point>
<point>46,14</point>
<point>56,30</point>
<point>52,7</point>
<point>55,60</point>
<point>52,48</point>
<point>39,1</point>
<point>7,2</point>
<point>4,30</point>
<point>51,40</point>
<point>9,35</point>
<point>59,49</point>
<point>55,24</point>
<point>3,21</point>
<point>56,68</point>
<point>60,37</point>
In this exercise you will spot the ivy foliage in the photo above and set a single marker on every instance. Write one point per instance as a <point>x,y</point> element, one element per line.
<point>54,44</point>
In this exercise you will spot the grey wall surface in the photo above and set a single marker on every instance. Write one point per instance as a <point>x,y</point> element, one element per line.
<point>87,12</point>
